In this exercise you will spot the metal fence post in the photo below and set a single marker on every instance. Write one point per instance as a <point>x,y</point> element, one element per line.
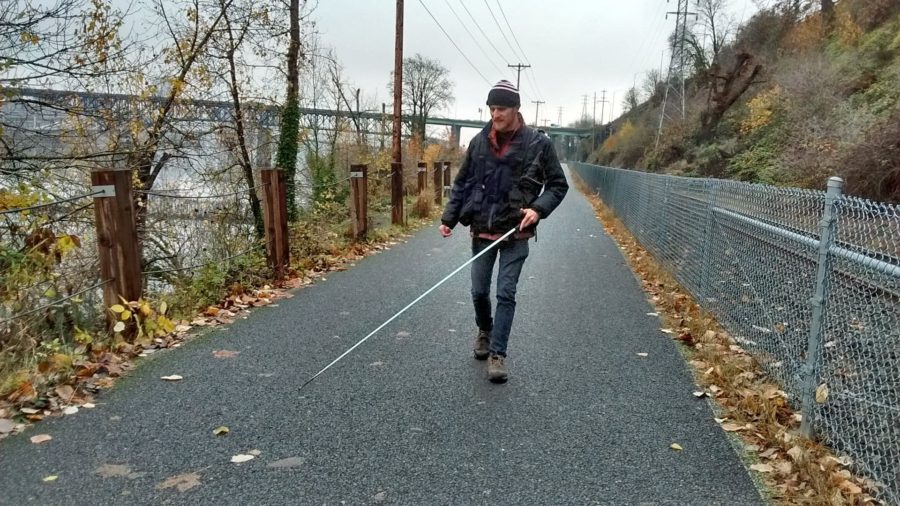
<point>712,196</point>
<point>811,369</point>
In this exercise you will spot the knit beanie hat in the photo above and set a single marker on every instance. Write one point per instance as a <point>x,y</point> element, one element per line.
<point>504,94</point>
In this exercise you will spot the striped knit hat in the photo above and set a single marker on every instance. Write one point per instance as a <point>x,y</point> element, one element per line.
<point>504,94</point>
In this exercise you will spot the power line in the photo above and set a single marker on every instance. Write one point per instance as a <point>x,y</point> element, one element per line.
<point>532,79</point>
<point>511,31</point>
<point>454,43</point>
<point>502,58</point>
<point>466,28</point>
<point>499,28</point>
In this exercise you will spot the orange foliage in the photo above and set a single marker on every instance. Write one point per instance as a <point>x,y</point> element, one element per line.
<point>806,35</point>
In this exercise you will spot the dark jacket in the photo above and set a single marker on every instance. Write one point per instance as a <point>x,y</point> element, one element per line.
<point>491,189</point>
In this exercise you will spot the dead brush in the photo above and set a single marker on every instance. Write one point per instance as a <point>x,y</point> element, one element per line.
<point>795,470</point>
<point>423,206</point>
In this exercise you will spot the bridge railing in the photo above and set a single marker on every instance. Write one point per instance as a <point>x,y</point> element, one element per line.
<point>807,281</point>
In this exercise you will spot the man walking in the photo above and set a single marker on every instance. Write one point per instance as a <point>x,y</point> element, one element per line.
<point>511,177</point>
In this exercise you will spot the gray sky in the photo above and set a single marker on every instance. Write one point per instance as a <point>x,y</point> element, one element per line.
<point>575,47</point>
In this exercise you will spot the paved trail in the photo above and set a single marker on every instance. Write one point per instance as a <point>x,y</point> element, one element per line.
<point>409,417</point>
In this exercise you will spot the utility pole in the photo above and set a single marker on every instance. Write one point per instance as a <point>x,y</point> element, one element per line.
<point>676,63</point>
<point>397,165</point>
<point>538,106</point>
<point>584,101</point>
<point>518,67</point>
<point>559,119</point>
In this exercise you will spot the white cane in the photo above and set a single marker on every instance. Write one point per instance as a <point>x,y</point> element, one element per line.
<point>420,297</point>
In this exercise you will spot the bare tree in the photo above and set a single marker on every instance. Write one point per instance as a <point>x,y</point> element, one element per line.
<point>236,31</point>
<point>631,100</point>
<point>717,25</point>
<point>426,87</point>
<point>727,86</point>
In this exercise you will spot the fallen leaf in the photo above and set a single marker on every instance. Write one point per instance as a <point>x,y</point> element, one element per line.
<point>182,482</point>
<point>732,427</point>
<point>667,331</point>
<point>676,447</point>
<point>50,478</point>
<point>642,354</point>
<point>850,487</point>
<point>844,460</point>
<point>221,431</point>
<point>699,394</point>
<point>795,453</point>
<point>89,405</point>
<point>225,353</point>
<point>41,438</point>
<point>288,462</point>
<point>113,470</point>
<point>6,426</point>
<point>768,454</point>
<point>255,453</point>
<point>173,377</point>
<point>237,459</point>
<point>29,411</point>
<point>822,393</point>
<point>403,333</point>
<point>784,467</point>
<point>65,392</point>
<point>71,410</point>
<point>380,496</point>
<point>119,327</point>
<point>762,468</point>
<point>720,420</point>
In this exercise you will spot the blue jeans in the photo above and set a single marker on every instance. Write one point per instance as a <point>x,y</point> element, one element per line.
<point>512,257</point>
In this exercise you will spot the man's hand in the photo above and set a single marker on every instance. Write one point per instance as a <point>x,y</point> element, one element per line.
<point>445,230</point>
<point>529,218</point>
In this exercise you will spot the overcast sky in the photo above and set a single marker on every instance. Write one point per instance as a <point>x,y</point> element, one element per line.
<point>575,47</point>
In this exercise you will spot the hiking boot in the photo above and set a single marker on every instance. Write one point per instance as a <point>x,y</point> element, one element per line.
<point>482,343</point>
<point>497,371</point>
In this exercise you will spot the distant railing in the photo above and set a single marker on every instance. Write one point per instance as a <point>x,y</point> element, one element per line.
<point>807,281</point>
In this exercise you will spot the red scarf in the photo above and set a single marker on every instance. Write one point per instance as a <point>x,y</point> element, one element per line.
<point>500,141</point>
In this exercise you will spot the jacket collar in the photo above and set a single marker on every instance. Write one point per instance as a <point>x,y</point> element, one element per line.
<point>491,135</point>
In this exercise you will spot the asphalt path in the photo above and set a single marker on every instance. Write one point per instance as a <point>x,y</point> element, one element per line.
<point>409,417</point>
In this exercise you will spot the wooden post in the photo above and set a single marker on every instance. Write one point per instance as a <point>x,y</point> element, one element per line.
<point>277,247</point>
<point>421,173</point>
<point>447,178</point>
<point>438,183</point>
<point>117,241</point>
<point>359,200</point>
<point>397,193</point>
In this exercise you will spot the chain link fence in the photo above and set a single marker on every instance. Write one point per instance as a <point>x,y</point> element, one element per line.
<point>808,281</point>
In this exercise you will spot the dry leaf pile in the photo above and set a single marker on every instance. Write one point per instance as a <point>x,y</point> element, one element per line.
<point>752,406</point>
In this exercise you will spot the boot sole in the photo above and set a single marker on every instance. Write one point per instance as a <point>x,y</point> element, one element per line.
<point>498,379</point>
<point>480,356</point>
